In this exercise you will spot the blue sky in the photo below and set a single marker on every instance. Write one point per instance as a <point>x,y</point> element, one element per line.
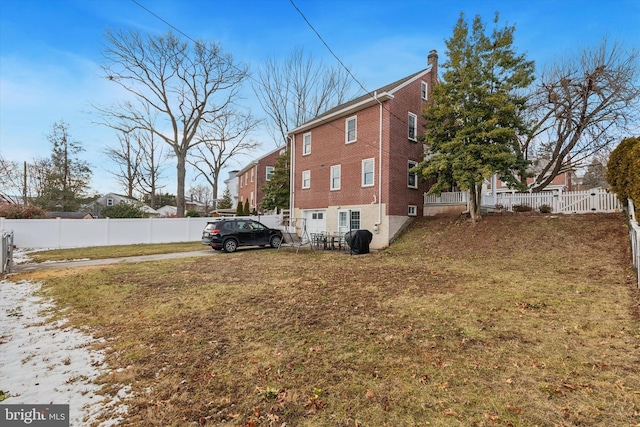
<point>50,50</point>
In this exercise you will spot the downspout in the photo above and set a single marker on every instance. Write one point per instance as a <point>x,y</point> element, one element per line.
<point>376,226</point>
<point>292,191</point>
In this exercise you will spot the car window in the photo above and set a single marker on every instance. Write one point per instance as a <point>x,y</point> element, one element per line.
<point>257,226</point>
<point>210,226</point>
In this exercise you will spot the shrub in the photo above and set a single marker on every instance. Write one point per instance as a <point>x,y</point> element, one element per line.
<point>193,213</point>
<point>623,170</point>
<point>13,211</point>
<point>521,208</point>
<point>546,209</point>
<point>124,210</point>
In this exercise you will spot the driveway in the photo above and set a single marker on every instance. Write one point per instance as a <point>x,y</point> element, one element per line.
<point>23,268</point>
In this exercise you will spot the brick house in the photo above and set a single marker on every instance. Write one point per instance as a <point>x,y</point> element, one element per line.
<point>254,176</point>
<point>350,165</point>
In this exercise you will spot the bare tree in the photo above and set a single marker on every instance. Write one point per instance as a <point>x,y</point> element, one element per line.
<point>201,193</point>
<point>151,167</point>
<point>184,85</point>
<point>127,157</point>
<point>580,107</point>
<point>12,182</point>
<point>298,89</point>
<point>225,139</point>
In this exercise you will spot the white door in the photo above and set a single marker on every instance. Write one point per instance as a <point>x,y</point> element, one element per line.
<point>316,221</point>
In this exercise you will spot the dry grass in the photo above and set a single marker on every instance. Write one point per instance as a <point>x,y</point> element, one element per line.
<point>100,252</point>
<point>518,321</point>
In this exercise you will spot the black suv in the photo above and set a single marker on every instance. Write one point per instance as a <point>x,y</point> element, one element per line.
<point>228,234</point>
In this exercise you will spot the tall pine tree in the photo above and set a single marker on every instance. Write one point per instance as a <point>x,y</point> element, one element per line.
<point>66,178</point>
<point>477,112</point>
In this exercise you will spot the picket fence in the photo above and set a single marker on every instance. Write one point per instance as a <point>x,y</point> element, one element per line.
<point>570,202</point>
<point>62,233</point>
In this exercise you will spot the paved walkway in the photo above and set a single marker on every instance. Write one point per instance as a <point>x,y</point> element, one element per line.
<point>23,268</point>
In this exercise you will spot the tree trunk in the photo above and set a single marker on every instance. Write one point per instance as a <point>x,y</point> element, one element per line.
<point>475,198</point>
<point>181,178</point>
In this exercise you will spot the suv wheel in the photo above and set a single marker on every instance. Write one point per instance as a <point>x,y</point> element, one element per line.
<point>230,245</point>
<point>275,241</point>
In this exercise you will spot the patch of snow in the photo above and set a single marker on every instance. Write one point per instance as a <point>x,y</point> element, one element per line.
<point>44,362</point>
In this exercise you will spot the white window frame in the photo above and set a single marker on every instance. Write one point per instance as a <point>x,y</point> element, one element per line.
<point>110,201</point>
<point>412,210</point>
<point>336,175</point>
<point>424,90</point>
<point>353,119</point>
<point>346,220</point>
<point>412,118</point>
<point>306,144</point>
<point>269,172</point>
<point>252,172</point>
<point>365,162</point>
<point>306,179</point>
<point>411,164</point>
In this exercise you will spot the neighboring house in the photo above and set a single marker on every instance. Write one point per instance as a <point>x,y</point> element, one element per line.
<point>254,176</point>
<point>167,211</point>
<point>112,199</point>
<point>70,215</point>
<point>194,205</point>
<point>232,186</point>
<point>351,165</point>
<point>562,182</point>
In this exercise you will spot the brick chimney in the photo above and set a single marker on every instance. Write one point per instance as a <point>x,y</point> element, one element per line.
<point>432,60</point>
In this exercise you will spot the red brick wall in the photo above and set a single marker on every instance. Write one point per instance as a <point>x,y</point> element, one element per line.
<point>328,148</point>
<point>259,180</point>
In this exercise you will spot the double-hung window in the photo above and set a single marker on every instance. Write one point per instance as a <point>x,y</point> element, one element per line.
<point>368,172</point>
<point>351,129</point>
<point>413,125</point>
<point>306,179</point>
<point>269,170</point>
<point>336,171</point>
<point>412,177</point>
<point>306,144</point>
<point>423,91</point>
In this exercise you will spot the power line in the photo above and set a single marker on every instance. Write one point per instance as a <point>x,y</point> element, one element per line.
<point>257,81</point>
<point>342,64</point>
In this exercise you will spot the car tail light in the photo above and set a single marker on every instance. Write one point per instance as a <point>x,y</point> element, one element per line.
<point>216,231</point>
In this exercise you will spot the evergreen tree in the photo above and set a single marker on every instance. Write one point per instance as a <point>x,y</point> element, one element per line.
<point>276,190</point>
<point>239,209</point>
<point>477,112</point>
<point>225,202</point>
<point>623,170</point>
<point>65,178</point>
<point>246,210</point>
<point>123,210</point>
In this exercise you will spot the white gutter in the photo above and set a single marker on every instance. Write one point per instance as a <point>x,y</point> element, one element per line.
<point>377,225</point>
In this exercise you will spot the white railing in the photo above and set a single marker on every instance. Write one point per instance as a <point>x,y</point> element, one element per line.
<point>61,233</point>
<point>6,246</point>
<point>594,200</point>
<point>446,198</point>
<point>634,237</point>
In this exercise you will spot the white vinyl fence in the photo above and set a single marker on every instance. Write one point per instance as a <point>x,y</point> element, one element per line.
<point>76,233</point>
<point>594,200</point>
<point>6,257</point>
<point>634,237</point>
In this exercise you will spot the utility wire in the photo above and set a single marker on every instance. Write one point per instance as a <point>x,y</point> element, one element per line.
<point>342,64</point>
<point>257,81</point>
